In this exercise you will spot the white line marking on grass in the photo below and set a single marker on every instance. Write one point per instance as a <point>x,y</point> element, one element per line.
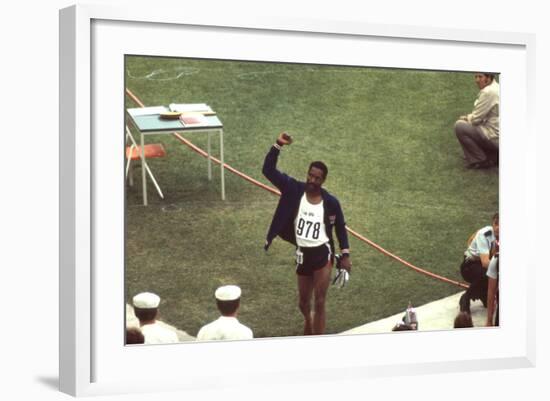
<point>154,75</point>
<point>257,74</point>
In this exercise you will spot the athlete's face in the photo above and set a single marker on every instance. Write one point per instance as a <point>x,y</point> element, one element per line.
<point>496,228</point>
<point>315,179</point>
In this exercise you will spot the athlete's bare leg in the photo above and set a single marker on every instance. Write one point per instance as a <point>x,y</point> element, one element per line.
<point>321,282</point>
<point>305,291</point>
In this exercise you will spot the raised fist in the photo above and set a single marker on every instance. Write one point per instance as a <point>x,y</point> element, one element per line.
<point>284,139</point>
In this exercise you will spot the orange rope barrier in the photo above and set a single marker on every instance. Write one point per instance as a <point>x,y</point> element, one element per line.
<point>276,192</point>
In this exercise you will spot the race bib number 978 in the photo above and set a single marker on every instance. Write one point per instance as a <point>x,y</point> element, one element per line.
<point>307,229</point>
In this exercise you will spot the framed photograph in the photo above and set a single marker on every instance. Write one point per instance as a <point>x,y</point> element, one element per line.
<point>262,76</point>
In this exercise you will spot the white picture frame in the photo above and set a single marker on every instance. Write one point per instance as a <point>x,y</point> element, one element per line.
<point>93,41</point>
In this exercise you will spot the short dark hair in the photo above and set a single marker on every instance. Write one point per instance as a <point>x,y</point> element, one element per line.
<point>495,217</point>
<point>145,315</point>
<point>134,336</point>
<point>321,166</point>
<point>227,308</point>
<point>462,320</point>
<point>489,75</point>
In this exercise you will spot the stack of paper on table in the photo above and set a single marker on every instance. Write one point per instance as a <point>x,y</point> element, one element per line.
<point>193,119</point>
<point>145,111</point>
<point>192,107</point>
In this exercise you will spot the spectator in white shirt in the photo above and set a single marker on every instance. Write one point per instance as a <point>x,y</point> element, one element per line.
<point>146,309</point>
<point>227,326</point>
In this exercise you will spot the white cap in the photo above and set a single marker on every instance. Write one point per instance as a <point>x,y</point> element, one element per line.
<point>146,300</point>
<point>228,293</point>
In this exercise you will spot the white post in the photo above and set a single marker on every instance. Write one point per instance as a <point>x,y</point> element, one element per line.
<point>209,158</point>
<point>222,164</point>
<point>143,176</point>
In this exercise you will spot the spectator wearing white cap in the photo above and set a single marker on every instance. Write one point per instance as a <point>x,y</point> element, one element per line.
<point>227,326</point>
<point>146,309</point>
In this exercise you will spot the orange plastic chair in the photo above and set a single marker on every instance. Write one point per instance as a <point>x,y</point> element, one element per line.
<point>150,151</point>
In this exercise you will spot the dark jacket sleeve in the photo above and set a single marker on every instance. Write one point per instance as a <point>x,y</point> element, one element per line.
<point>340,225</point>
<point>280,180</point>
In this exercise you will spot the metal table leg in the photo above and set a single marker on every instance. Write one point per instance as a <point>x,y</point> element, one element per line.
<point>209,150</point>
<point>143,170</point>
<point>222,164</point>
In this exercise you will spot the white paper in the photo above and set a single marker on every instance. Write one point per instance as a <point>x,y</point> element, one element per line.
<point>145,111</point>
<point>183,107</point>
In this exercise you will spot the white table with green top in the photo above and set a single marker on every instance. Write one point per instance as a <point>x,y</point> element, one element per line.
<point>148,121</point>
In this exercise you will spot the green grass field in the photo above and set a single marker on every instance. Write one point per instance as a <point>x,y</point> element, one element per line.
<point>394,163</point>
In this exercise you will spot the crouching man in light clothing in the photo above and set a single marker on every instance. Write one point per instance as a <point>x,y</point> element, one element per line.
<point>478,132</point>
<point>226,327</point>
